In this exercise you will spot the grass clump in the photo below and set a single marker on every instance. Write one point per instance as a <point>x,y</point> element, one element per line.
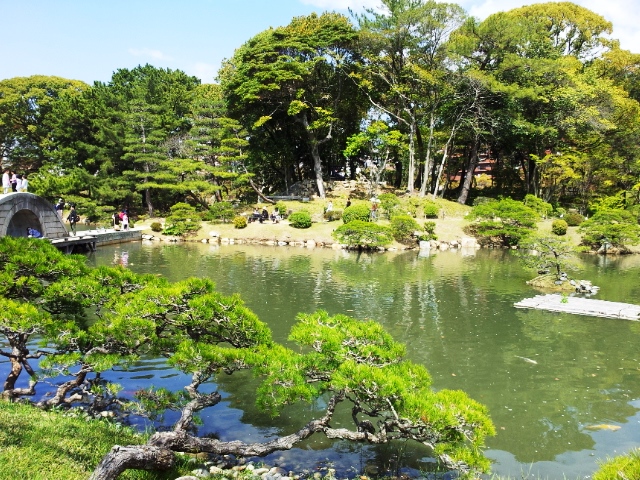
<point>39,444</point>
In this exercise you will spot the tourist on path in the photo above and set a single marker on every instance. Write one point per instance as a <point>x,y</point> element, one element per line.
<point>73,219</point>
<point>6,182</point>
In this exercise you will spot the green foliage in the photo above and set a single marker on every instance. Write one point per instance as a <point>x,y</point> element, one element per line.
<point>300,219</point>
<point>541,207</point>
<point>430,209</point>
<point>183,220</point>
<point>361,234</point>
<point>222,211</point>
<point>613,227</point>
<point>156,227</point>
<point>504,222</point>
<point>202,333</point>
<point>389,203</point>
<point>430,232</point>
<point>620,467</point>
<point>281,207</point>
<point>547,253</point>
<point>559,227</point>
<point>358,212</point>
<point>333,215</point>
<point>573,219</point>
<point>240,222</point>
<point>403,228</point>
<point>57,441</point>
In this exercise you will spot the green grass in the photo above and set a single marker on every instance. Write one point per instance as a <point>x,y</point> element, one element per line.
<point>41,445</point>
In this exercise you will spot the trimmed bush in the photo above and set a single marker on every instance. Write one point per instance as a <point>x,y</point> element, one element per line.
<point>240,222</point>
<point>573,219</point>
<point>183,220</point>
<point>389,203</point>
<point>356,212</point>
<point>300,220</point>
<point>156,227</point>
<point>431,210</point>
<point>221,211</point>
<point>359,234</point>
<point>559,227</point>
<point>333,215</point>
<point>430,231</point>
<point>403,228</point>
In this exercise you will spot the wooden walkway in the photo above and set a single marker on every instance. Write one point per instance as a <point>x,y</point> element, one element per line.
<point>582,306</point>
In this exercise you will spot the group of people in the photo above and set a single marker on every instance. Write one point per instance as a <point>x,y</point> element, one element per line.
<point>263,216</point>
<point>120,218</point>
<point>13,182</point>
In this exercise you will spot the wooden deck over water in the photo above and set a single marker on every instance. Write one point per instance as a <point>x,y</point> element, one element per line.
<point>582,306</point>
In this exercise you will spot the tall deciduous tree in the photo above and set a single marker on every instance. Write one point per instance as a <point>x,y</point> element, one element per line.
<point>25,106</point>
<point>404,49</point>
<point>295,74</point>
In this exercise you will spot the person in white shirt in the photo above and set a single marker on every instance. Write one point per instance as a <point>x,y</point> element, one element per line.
<point>6,182</point>
<point>24,186</point>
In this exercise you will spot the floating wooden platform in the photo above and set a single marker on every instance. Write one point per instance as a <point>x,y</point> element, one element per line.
<point>582,306</point>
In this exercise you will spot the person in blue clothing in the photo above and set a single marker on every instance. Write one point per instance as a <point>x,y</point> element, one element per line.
<point>33,233</point>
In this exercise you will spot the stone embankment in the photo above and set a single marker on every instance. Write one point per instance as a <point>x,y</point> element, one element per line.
<point>214,237</point>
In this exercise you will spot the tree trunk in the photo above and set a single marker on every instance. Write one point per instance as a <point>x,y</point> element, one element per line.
<point>427,162</point>
<point>144,457</point>
<point>471,167</point>
<point>411,174</point>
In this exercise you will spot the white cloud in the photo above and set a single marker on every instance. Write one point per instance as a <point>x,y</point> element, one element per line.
<point>150,53</point>
<point>204,71</point>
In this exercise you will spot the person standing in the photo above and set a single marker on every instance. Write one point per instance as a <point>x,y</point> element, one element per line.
<point>125,221</point>
<point>24,187</point>
<point>6,182</point>
<point>59,208</point>
<point>73,219</point>
<point>14,182</point>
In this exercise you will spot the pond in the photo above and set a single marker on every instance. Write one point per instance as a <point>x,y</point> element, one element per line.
<point>562,389</point>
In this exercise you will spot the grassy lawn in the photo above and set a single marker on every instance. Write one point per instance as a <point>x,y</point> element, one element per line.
<point>41,445</point>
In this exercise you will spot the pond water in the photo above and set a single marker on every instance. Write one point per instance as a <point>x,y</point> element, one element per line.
<point>558,386</point>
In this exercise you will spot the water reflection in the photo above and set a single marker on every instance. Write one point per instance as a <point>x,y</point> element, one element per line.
<point>546,377</point>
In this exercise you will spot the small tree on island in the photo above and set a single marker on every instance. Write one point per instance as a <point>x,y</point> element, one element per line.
<point>203,333</point>
<point>549,255</point>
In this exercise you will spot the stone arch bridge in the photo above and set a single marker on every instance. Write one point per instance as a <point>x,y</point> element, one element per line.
<point>20,211</point>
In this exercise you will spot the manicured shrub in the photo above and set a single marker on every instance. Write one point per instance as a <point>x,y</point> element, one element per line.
<point>573,219</point>
<point>333,215</point>
<point>389,203</point>
<point>559,227</point>
<point>403,228</point>
<point>183,220</point>
<point>356,212</point>
<point>541,207</point>
<point>429,232</point>
<point>431,210</point>
<point>223,211</point>
<point>240,221</point>
<point>300,219</point>
<point>501,222</point>
<point>614,227</point>
<point>156,227</point>
<point>359,234</point>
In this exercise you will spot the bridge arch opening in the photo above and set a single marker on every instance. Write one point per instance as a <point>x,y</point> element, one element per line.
<point>21,221</point>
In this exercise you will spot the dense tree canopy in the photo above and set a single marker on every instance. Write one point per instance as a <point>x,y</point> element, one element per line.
<point>541,90</point>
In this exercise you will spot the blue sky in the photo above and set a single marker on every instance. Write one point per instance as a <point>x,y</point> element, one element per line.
<point>89,39</point>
